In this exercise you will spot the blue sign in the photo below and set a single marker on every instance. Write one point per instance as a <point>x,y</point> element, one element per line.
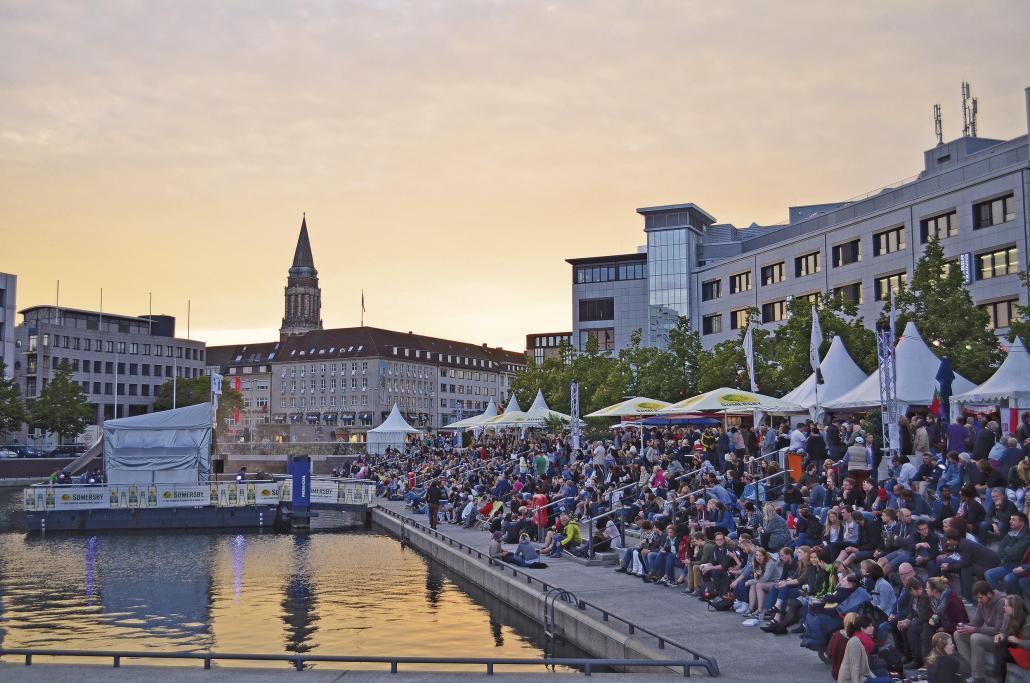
<point>300,469</point>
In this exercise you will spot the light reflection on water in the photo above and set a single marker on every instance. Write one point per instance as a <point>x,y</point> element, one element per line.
<point>339,593</point>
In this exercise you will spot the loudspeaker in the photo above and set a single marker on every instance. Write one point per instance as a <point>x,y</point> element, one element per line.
<point>218,466</point>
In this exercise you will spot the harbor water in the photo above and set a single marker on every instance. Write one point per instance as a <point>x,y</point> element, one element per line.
<point>345,593</point>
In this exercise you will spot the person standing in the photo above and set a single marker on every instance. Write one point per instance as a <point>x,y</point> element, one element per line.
<point>433,497</point>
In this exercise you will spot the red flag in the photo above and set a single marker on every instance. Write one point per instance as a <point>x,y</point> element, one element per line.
<point>935,405</point>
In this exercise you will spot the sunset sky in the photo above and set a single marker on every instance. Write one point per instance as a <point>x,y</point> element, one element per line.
<point>449,155</point>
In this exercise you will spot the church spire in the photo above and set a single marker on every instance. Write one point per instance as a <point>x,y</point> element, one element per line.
<point>303,296</point>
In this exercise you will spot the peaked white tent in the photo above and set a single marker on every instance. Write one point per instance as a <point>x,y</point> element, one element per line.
<point>476,420</point>
<point>393,432</point>
<point>840,375</point>
<point>917,367</point>
<point>536,416</point>
<point>166,447</point>
<point>1010,382</point>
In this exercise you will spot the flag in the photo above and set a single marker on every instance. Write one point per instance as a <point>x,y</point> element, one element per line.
<point>749,357</point>
<point>945,376</point>
<point>216,384</point>
<point>362,301</point>
<point>816,342</point>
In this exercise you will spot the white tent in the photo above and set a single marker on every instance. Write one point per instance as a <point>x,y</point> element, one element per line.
<point>476,420</point>
<point>916,378</point>
<point>840,375</point>
<point>1010,382</point>
<point>166,447</point>
<point>392,433</point>
<point>534,417</point>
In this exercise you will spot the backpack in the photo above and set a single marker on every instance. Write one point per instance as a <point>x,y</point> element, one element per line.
<point>723,603</point>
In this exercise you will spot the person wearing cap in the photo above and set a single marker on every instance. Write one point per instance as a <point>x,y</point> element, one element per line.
<point>857,461</point>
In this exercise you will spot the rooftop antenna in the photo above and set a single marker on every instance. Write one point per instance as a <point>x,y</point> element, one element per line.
<point>965,109</point>
<point>972,119</point>
<point>937,128</point>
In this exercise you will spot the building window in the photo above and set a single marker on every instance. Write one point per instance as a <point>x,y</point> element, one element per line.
<point>774,311</point>
<point>1002,313</point>
<point>941,227</point>
<point>741,282</point>
<point>596,309</point>
<point>711,289</point>
<point>993,212</point>
<point>847,253</point>
<point>883,286</point>
<point>711,324</point>
<point>632,271</point>
<point>772,273</point>
<point>889,241</point>
<point>605,339</point>
<point>608,272</point>
<point>806,265</point>
<point>738,318</point>
<point>850,293</point>
<point>996,263</point>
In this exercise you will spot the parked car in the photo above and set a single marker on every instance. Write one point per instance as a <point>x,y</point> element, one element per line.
<point>70,450</point>
<point>7,453</point>
<point>26,451</point>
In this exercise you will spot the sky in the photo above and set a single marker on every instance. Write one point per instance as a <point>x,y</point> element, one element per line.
<point>449,155</point>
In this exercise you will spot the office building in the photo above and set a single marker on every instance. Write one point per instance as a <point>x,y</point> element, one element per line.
<point>543,345</point>
<point>119,360</point>
<point>8,292</point>
<point>971,193</point>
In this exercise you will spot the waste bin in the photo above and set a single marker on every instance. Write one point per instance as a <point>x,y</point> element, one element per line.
<point>796,465</point>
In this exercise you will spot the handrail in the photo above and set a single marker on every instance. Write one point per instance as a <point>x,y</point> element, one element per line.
<point>298,659</point>
<point>709,663</point>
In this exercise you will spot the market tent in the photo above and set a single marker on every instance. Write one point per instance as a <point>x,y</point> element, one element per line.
<point>731,401</point>
<point>1010,382</point>
<point>633,407</point>
<point>536,416</point>
<point>166,447</point>
<point>840,375</point>
<point>916,378</point>
<point>392,433</point>
<point>475,420</point>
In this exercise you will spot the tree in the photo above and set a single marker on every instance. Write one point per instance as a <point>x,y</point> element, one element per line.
<point>12,409</point>
<point>685,344</point>
<point>788,347</point>
<point>653,373</point>
<point>194,390</point>
<point>62,407</point>
<point>937,301</point>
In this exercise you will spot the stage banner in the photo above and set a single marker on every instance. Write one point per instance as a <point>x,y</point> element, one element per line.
<point>78,497</point>
<point>175,496</point>
<point>324,491</point>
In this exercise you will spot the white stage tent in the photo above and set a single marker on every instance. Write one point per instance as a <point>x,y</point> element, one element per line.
<point>536,416</point>
<point>1009,384</point>
<point>476,420</point>
<point>840,375</point>
<point>392,433</point>
<point>166,447</point>
<point>917,368</point>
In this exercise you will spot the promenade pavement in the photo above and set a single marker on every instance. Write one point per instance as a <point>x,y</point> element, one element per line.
<point>744,653</point>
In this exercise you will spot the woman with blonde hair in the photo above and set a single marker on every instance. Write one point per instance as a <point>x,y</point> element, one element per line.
<point>1015,638</point>
<point>942,666</point>
<point>775,533</point>
<point>764,571</point>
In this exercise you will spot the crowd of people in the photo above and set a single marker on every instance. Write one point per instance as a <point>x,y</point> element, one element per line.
<point>918,563</point>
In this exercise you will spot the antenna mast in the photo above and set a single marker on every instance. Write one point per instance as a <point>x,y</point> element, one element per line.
<point>968,112</point>
<point>972,119</point>
<point>937,128</point>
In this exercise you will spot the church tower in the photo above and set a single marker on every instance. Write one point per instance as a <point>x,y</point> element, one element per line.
<point>303,295</point>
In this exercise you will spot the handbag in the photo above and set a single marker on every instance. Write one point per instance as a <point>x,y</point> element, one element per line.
<point>851,603</point>
<point>1020,656</point>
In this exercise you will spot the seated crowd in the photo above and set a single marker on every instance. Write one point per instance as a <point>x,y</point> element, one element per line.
<point>922,562</point>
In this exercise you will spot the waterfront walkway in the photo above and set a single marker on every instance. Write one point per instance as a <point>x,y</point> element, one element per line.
<point>744,653</point>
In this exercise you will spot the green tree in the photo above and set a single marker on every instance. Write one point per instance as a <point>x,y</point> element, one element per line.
<point>788,348</point>
<point>940,305</point>
<point>685,344</point>
<point>653,373</point>
<point>725,365</point>
<point>189,392</point>
<point>12,409</point>
<point>62,407</point>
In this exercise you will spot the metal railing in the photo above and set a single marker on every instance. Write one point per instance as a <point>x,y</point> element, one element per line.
<point>298,660</point>
<point>700,660</point>
<point>288,448</point>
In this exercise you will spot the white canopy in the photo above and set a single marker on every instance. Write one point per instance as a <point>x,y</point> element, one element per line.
<point>513,405</point>
<point>476,420</point>
<point>1010,382</point>
<point>916,378</point>
<point>536,416</point>
<point>736,401</point>
<point>166,447</point>
<point>392,432</point>
<point>840,375</point>
<point>633,407</point>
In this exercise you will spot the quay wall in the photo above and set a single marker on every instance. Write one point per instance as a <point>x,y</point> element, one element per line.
<point>575,626</point>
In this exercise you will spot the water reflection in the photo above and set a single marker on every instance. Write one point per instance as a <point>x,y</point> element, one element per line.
<point>338,593</point>
<point>299,599</point>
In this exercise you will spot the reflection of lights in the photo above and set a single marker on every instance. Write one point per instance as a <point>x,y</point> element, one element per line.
<point>937,342</point>
<point>91,558</point>
<point>969,347</point>
<point>238,549</point>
